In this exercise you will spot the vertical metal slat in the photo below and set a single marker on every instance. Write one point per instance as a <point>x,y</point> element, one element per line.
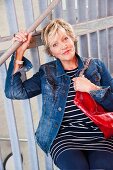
<point>109,7</point>
<point>83,46</point>
<point>103,46</point>
<point>11,124</point>
<point>1,164</point>
<point>71,15</point>
<point>92,9</point>
<point>30,134</point>
<point>81,10</point>
<point>11,15</point>
<point>102,10</point>
<point>92,45</point>
<point>34,51</point>
<point>58,12</point>
<point>110,40</point>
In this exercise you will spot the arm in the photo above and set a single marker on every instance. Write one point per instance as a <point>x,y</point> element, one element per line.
<point>104,96</point>
<point>15,88</point>
<point>25,39</point>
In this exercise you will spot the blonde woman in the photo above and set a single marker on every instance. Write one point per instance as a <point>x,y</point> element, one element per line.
<point>64,131</point>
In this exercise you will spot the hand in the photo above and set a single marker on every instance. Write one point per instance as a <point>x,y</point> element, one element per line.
<point>84,85</point>
<point>24,38</point>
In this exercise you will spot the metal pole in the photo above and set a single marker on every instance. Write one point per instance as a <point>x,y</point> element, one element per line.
<point>32,28</point>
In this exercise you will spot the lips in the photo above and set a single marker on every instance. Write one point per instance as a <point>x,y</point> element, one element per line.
<point>66,52</point>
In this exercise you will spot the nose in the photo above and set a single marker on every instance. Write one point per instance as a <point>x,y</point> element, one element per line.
<point>63,45</point>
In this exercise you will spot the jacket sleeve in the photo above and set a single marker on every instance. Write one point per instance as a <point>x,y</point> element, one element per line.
<point>104,96</point>
<point>16,88</point>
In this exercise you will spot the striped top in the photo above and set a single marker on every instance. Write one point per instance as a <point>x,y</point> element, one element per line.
<point>77,131</point>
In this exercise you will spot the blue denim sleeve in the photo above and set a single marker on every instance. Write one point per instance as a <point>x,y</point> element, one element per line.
<point>27,65</point>
<point>16,88</point>
<point>104,96</point>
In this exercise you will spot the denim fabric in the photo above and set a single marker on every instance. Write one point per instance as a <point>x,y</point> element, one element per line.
<point>52,82</point>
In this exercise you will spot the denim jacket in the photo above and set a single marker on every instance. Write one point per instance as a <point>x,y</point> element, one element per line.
<point>52,82</point>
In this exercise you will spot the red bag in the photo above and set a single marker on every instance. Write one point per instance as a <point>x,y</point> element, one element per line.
<point>102,118</point>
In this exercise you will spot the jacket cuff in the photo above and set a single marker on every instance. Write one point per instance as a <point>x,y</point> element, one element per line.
<point>101,93</point>
<point>27,65</point>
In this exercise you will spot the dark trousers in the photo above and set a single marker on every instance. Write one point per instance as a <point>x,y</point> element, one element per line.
<point>85,160</point>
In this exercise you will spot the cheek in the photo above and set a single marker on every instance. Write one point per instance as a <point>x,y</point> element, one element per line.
<point>55,51</point>
<point>71,44</point>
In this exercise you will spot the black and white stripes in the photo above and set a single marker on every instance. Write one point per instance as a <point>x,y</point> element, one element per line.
<point>77,131</point>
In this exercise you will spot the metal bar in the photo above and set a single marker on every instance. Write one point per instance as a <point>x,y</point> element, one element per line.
<point>109,7</point>
<point>103,46</point>
<point>42,7</point>
<point>102,10</point>
<point>92,9</point>
<point>83,48</point>
<point>110,40</point>
<point>94,25</point>
<point>70,6</point>
<point>37,22</point>
<point>80,29</point>
<point>8,139</point>
<point>92,44</point>
<point>11,15</point>
<point>11,123</point>
<point>81,10</point>
<point>58,11</point>
<point>1,162</point>
<point>34,163</point>
<point>30,135</point>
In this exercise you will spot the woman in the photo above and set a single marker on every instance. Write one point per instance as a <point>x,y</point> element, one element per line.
<point>64,131</point>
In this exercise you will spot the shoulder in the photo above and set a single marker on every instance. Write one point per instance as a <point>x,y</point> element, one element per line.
<point>48,68</point>
<point>93,64</point>
<point>51,64</point>
<point>97,62</point>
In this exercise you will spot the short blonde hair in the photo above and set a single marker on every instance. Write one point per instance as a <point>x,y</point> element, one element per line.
<point>52,28</point>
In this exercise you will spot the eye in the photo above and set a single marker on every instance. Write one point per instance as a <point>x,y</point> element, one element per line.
<point>55,45</point>
<point>66,38</point>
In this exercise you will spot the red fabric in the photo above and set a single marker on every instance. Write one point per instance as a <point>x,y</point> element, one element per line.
<point>102,118</point>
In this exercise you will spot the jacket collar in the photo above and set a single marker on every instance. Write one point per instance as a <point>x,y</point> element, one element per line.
<point>60,69</point>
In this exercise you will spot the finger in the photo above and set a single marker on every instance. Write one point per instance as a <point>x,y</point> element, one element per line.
<point>74,79</point>
<point>82,76</point>
<point>21,36</point>
<point>74,85</point>
<point>29,37</point>
<point>15,39</point>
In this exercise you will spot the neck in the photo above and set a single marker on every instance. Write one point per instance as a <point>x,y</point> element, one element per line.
<point>70,65</point>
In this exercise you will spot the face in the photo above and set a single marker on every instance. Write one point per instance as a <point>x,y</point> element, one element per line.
<point>62,46</point>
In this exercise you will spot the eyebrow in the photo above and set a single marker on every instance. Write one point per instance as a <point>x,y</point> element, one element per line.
<point>54,42</point>
<point>50,44</point>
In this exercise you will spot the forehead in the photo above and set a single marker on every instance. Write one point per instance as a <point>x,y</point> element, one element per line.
<point>55,36</point>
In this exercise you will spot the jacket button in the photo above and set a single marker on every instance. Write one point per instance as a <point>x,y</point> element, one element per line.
<point>63,91</point>
<point>59,109</point>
